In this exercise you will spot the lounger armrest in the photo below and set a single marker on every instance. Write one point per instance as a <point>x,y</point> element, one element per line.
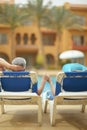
<point>34,80</point>
<point>59,78</point>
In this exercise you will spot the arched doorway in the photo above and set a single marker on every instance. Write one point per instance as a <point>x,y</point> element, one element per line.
<point>50,59</point>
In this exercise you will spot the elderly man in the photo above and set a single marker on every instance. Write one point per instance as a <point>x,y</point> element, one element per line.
<point>19,64</point>
<point>14,67</point>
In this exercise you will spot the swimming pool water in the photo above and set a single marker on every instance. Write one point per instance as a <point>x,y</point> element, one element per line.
<point>47,85</point>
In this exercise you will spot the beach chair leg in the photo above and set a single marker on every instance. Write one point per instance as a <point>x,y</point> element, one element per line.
<point>83,108</point>
<point>52,112</point>
<point>2,109</point>
<point>45,106</point>
<point>40,112</point>
<point>46,103</point>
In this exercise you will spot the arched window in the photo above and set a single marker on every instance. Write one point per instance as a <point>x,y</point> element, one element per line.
<point>49,59</point>
<point>33,38</point>
<point>18,38</point>
<point>3,38</point>
<point>25,38</point>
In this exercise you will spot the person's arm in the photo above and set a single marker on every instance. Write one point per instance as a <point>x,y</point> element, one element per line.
<point>5,65</point>
<point>16,67</point>
<point>44,79</point>
<point>51,86</point>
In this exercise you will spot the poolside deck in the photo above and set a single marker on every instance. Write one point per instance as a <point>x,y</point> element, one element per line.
<point>25,118</point>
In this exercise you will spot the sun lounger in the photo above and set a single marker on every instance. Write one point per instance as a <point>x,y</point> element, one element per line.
<point>20,88</point>
<point>71,89</point>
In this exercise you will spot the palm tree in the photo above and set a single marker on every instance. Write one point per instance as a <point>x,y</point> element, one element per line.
<point>13,16</point>
<point>61,18</point>
<point>38,14</point>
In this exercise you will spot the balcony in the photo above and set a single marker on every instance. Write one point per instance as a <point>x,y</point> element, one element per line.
<point>79,47</point>
<point>26,48</point>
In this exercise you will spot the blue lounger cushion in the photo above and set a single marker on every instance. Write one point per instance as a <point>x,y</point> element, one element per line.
<point>72,82</point>
<point>74,85</point>
<point>15,81</point>
<point>75,82</point>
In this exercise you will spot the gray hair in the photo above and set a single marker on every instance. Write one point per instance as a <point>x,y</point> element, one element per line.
<point>19,61</point>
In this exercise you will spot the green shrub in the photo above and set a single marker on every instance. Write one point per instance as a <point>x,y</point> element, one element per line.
<point>39,61</point>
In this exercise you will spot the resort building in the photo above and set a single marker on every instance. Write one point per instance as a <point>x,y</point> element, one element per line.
<point>27,39</point>
<point>7,1</point>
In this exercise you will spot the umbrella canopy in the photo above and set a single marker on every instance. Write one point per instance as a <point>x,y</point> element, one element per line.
<point>71,54</point>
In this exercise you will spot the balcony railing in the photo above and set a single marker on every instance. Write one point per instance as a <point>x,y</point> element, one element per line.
<point>79,47</point>
<point>26,48</point>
